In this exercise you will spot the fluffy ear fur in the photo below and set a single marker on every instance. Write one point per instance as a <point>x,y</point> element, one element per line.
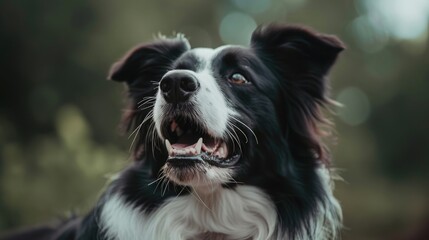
<point>147,59</point>
<point>142,68</point>
<point>297,48</point>
<point>296,51</point>
<point>300,58</point>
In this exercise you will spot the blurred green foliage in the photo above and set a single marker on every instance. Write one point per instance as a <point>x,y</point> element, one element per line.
<point>58,116</point>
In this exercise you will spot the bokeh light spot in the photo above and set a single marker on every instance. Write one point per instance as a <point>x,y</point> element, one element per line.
<point>72,127</point>
<point>356,107</point>
<point>368,37</point>
<point>237,28</point>
<point>403,19</point>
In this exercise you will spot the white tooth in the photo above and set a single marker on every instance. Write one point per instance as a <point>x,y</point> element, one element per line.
<point>179,131</point>
<point>169,147</point>
<point>221,152</point>
<point>199,145</point>
<point>224,151</point>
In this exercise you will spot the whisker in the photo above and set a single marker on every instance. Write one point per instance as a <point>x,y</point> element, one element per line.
<point>161,181</point>
<point>231,178</point>
<point>234,137</point>
<point>235,134</point>
<point>158,179</point>
<point>183,188</point>
<point>154,142</point>
<point>239,129</point>
<point>167,184</point>
<point>135,136</point>
<point>141,109</point>
<point>138,128</point>
<point>195,194</point>
<point>134,131</point>
<point>256,138</point>
<point>142,102</point>
<point>150,102</point>
<point>154,135</point>
<point>147,98</point>
<point>164,179</point>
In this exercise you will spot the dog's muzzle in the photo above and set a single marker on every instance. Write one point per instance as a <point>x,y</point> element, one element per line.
<point>188,139</point>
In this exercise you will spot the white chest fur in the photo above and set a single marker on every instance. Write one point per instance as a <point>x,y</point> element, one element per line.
<point>242,213</point>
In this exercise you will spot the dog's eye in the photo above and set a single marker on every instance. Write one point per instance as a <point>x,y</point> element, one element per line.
<point>237,78</point>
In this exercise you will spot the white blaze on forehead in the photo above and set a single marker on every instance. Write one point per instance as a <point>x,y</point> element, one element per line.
<point>206,56</point>
<point>211,103</point>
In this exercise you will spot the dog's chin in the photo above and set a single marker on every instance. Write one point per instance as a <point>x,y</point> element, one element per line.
<point>196,172</point>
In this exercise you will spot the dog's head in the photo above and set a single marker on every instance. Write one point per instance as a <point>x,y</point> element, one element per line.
<point>207,116</point>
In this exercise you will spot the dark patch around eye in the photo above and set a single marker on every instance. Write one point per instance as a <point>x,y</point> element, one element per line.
<point>233,60</point>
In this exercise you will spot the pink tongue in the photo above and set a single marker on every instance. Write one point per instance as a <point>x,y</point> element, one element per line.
<point>182,145</point>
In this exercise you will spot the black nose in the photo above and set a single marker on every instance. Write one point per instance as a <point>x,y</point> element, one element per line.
<point>178,86</point>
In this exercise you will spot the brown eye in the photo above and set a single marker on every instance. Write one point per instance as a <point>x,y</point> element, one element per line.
<point>237,78</point>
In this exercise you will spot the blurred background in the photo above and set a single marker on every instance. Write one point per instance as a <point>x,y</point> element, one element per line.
<point>59,140</point>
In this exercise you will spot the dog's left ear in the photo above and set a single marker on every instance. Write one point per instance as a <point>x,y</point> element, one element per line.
<point>299,58</point>
<point>298,50</point>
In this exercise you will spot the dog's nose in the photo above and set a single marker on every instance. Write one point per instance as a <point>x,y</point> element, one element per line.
<point>178,86</point>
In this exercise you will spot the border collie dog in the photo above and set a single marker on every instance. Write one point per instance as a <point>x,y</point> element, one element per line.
<point>228,142</point>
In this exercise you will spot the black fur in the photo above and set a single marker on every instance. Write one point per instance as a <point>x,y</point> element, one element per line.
<point>286,66</point>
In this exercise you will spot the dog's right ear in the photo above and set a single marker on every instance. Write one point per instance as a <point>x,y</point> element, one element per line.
<point>148,60</point>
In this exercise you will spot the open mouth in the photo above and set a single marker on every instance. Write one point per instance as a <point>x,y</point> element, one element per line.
<point>187,143</point>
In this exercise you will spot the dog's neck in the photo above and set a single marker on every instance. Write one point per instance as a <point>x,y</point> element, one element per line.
<point>208,192</point>
<point>240,213</point>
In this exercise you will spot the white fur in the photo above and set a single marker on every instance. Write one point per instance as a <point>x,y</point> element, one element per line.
<point>330,214</point>
<point>242,213</point>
